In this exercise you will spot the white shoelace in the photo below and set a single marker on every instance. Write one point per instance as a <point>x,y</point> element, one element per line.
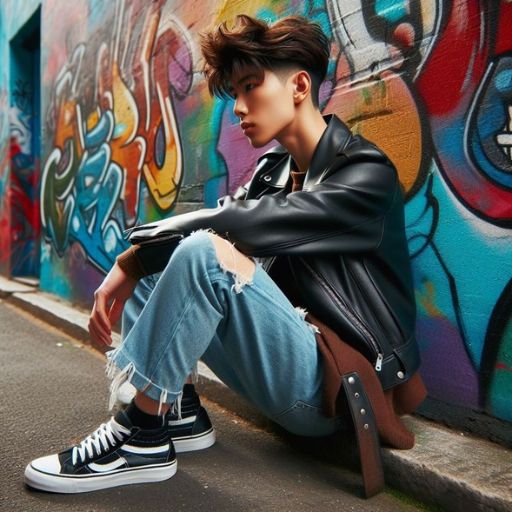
<point>176,406</point>
<point>99,439</point>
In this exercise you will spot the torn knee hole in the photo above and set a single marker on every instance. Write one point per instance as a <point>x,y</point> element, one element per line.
<point>233,261</point>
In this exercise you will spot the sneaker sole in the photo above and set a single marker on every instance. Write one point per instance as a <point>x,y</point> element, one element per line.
<point>76,484</point>
<point>193,443</point>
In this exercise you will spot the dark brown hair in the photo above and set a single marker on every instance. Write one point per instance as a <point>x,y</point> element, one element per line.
<point>290,42</point>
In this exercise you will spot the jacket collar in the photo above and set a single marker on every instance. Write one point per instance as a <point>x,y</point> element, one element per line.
<point>331,143</point>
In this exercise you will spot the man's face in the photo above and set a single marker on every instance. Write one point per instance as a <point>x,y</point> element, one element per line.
<point>264,101</point>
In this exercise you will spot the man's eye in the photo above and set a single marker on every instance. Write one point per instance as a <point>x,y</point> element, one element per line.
<point>247,86</point>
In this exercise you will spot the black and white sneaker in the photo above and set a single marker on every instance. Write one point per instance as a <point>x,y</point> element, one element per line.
<point>189,424</point>
<point>117,453</point>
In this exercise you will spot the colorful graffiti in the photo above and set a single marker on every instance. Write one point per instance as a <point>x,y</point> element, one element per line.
<point>24,177</point>
<point>431,83</point>
<point>19,142</point>
<point>113,130</point>
<point>131,134</point>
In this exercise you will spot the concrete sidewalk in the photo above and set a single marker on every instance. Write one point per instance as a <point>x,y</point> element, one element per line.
<point>446,468</point>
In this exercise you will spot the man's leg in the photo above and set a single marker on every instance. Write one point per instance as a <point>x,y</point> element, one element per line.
<point>188,421</point>
<point>213,302</point>
<point>246,331</point>
<point>229,258</point>
<point>268,352</point>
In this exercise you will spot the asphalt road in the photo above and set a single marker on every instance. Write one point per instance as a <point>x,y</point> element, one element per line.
<point>54,393</point>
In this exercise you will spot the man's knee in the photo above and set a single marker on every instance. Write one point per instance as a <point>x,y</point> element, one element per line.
<point>190,252</point>
<point>231,259</point>
<point>191,249</point>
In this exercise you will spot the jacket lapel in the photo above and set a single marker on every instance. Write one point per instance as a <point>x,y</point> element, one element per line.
<point>272,171</point>
<point>277,175</point>
<point>331,144</point>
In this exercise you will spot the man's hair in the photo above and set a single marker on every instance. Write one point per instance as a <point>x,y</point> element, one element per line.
<point>289,43</point>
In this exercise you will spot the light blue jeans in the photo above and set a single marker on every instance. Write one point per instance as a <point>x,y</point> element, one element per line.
<point>248,334</point>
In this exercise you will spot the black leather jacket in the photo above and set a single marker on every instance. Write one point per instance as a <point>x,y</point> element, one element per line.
<point>338,245</point>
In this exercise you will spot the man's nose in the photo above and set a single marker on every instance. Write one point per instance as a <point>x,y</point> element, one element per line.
<point>239,109</point>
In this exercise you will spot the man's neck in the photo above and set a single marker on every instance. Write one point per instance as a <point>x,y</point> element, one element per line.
<point>302,137</point>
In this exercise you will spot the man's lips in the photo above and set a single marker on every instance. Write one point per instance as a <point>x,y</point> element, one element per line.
<point>247,129</point>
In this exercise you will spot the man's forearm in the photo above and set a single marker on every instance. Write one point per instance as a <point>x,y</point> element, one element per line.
<point>130,263</point>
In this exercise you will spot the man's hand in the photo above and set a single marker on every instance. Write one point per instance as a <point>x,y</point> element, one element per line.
<point>109,300</point>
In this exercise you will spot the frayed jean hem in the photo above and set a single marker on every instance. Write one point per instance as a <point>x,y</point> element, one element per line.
<point>121,369</point>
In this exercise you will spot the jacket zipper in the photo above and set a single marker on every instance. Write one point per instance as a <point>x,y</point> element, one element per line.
<point>352,316</point>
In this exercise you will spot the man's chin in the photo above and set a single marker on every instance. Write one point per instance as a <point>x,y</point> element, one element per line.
<point>258,143</point>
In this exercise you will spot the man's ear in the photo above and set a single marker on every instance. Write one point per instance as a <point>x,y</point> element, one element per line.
<point>301,85</point>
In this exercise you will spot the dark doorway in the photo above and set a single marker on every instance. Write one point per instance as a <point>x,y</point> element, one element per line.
<point>25,148</point>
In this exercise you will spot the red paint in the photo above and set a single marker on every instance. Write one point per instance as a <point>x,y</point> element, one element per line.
<point>504,32</point>
<point>455,57</point>
<point>404,35</point>
<point>448,82</point>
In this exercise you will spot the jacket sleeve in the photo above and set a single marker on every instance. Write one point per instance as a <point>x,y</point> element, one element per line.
<point>343,213</point>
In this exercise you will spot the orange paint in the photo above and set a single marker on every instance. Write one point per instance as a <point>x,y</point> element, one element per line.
<point>384,112</point>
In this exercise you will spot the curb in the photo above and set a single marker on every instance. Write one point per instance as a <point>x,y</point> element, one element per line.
<point>446,468</point>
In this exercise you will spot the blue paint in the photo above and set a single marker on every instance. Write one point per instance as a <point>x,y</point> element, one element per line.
<point>101,131</point>
<point>504,81</point>
<point>461,243</point>
<point>490,119</point>
<point>92,199</point>
<point>219,183</point>
<point>98,186</point>
<point>268,15</point>
<point>119,130</point>
<point>391,10</point>
<point>23,11</point>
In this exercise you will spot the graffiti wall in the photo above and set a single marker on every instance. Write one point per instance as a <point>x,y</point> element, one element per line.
<point>130,134</point>
<point>431,83</point>
<point>19,139</point>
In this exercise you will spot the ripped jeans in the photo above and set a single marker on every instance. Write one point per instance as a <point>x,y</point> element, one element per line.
<point>248,333</point>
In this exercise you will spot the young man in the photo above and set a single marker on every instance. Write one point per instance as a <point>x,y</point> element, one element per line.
<point>320,226</point>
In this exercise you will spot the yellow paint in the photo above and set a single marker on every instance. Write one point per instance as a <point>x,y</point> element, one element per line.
<point>92,120</point>
<point>384,112</point>
<point>229,9</point>
<point>66,126</point>
<point>162,183</point>
<point>125,109</point>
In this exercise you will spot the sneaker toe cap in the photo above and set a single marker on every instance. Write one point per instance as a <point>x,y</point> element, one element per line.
<point>47,464</point>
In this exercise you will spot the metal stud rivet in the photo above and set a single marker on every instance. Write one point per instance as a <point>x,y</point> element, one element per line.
<point>356,395</point>
<point>267,178</point>
<point>363,411</point>
<point>351,380</point>
<point>366,426</point>
<point>400,375</point>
